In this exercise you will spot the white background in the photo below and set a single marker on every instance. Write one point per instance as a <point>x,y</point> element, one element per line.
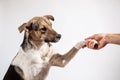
<point>75,20</point>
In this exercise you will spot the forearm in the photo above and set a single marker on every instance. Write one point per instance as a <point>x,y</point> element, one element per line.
<point>71,53</point>
<point>62,60</point>
<point>113,38</point>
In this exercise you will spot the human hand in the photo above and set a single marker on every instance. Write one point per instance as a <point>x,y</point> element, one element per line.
<point>100,38</point>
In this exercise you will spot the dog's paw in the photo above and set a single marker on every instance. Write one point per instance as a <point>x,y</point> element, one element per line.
<point>80,44</point>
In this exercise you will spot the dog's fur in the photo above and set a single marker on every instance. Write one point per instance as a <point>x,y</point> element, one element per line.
<point>36,56</point>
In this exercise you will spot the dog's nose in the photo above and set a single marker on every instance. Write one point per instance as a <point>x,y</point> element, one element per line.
<point>58,36</point>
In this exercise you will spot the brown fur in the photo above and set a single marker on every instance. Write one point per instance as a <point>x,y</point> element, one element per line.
<point>36,36</point>
<point>39,30</point>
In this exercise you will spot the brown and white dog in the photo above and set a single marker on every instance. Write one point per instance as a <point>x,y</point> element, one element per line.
<point>36,56</point>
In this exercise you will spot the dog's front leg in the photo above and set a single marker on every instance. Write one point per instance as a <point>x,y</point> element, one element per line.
<point>62,60</point>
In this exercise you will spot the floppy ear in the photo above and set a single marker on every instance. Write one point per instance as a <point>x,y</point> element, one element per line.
<point>22,27</point>
<point>49,17</point>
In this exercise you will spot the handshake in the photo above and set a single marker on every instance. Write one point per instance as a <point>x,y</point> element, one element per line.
<point>82,44</point>
<point>98,41</point>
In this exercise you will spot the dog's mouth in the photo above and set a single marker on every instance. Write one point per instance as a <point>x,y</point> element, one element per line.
<point>56,39</point>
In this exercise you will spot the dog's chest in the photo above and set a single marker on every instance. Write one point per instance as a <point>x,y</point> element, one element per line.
<point>33,61</point>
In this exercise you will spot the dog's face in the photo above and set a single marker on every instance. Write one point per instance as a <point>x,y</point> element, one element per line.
<point>40,29</point>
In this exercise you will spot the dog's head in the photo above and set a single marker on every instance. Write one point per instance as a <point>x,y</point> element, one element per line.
<point>40,29</point>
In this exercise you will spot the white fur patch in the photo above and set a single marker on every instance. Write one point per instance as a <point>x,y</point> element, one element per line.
<point>80,44</point>
<point>83,43</point>
<point>32,61</point>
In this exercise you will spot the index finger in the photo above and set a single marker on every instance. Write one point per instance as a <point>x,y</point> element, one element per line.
<point>90,37</point>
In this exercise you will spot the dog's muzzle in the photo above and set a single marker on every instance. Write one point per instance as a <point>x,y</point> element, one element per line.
<point>58,36</point>
<point>56,39</point>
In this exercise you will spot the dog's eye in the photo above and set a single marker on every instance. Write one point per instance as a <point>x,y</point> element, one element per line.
<point>43,29</point>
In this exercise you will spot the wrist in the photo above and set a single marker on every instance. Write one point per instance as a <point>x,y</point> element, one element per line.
<point>108,38</point>
<point>113,38</point>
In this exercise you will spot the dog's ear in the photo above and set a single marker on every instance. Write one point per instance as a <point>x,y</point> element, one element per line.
<point>49,17</point>
<point>22,27</point>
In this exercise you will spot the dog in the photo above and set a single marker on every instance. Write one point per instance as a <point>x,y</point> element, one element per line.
<point>36,55</point>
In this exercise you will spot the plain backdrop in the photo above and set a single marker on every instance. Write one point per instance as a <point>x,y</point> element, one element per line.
<point>75,20</point>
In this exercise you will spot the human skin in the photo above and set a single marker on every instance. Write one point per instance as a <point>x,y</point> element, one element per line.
<point>103,39</point>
